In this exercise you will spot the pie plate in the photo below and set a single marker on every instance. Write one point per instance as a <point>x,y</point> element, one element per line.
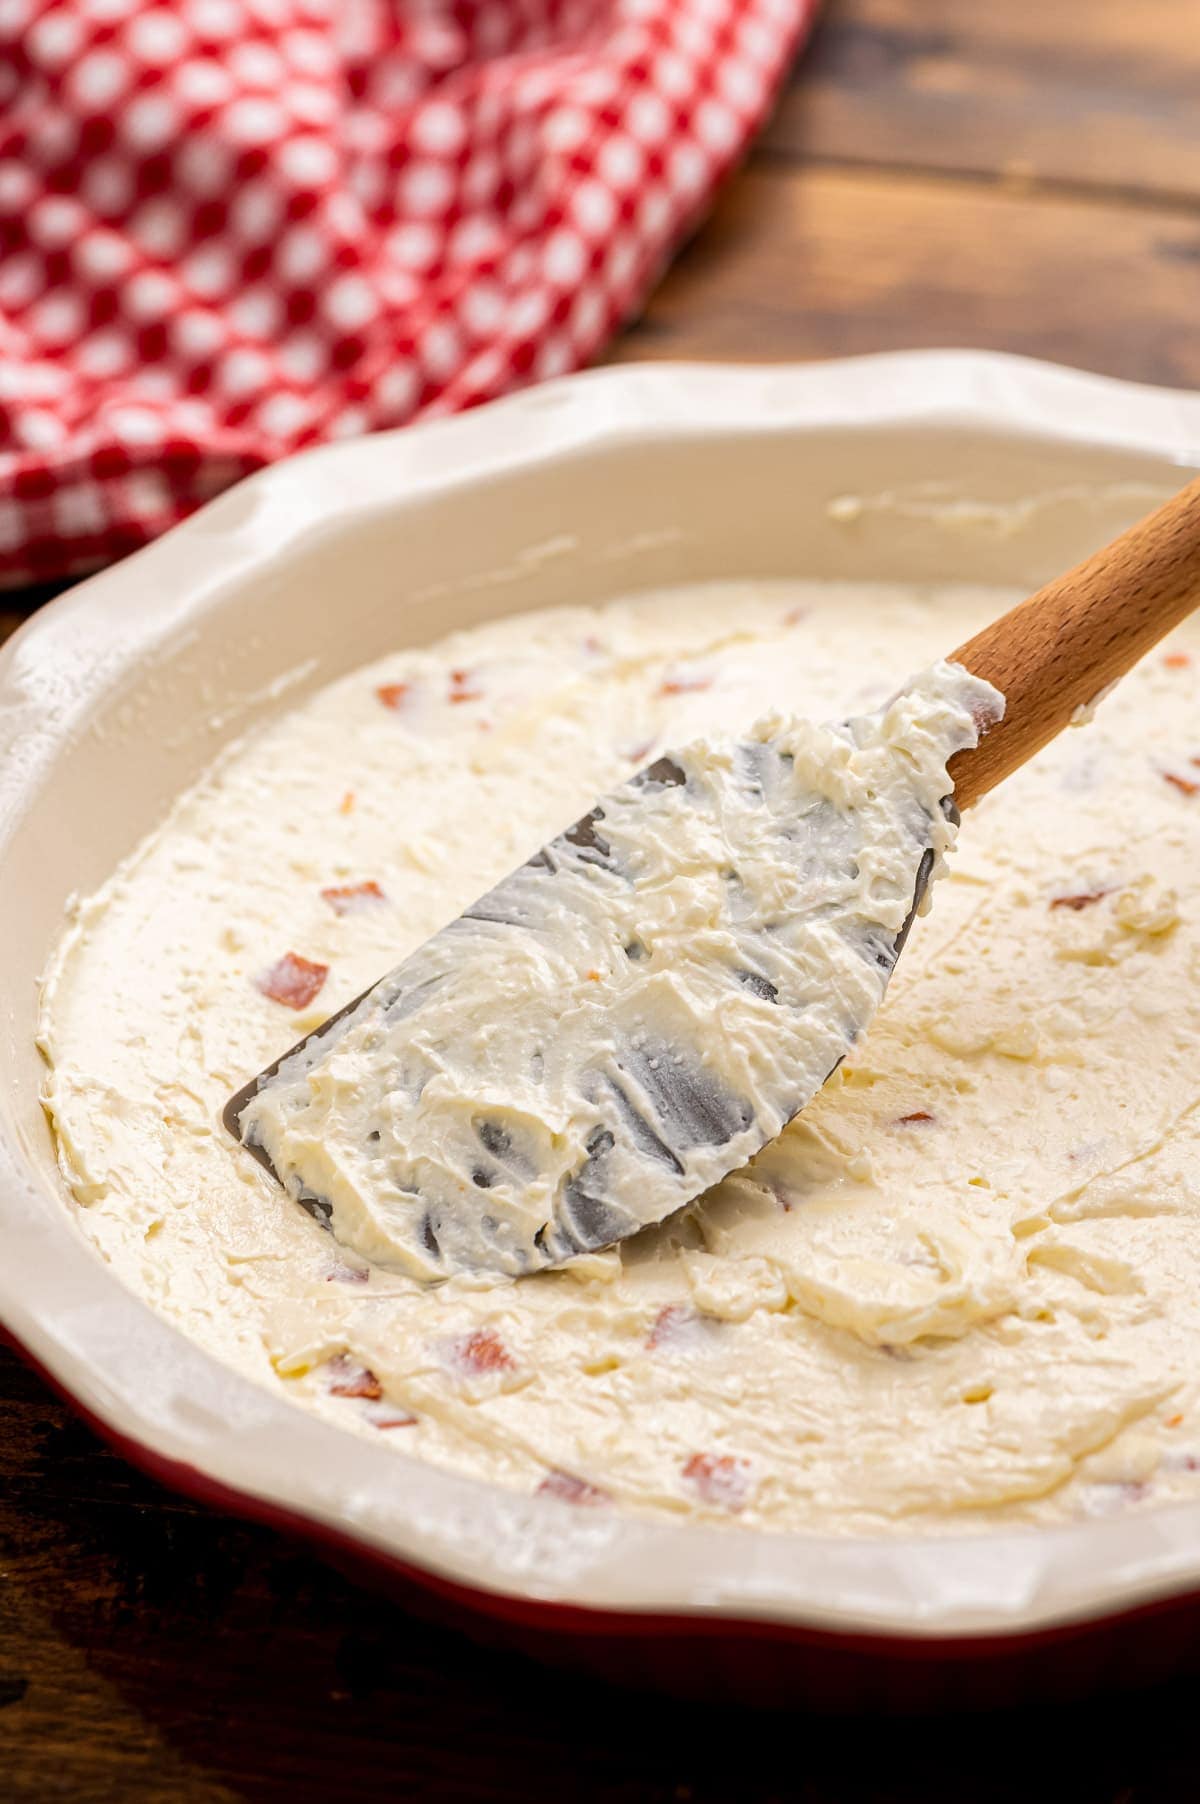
<point>930,466</point>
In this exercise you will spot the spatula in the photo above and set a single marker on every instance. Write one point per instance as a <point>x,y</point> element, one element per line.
<point>649,999</point>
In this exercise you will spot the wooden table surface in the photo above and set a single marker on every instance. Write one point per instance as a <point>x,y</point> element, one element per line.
<point>1022,175</point>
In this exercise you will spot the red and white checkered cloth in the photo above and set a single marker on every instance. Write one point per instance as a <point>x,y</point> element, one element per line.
<point>231,228</point>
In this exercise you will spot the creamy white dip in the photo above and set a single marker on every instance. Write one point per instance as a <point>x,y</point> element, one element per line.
<point>637,1009</point>
<point>963,1287</point>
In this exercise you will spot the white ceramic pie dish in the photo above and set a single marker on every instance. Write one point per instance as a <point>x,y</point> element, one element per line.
<point>963,467</point>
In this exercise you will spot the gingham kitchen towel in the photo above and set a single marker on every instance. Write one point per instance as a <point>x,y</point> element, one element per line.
<point>231,228</point>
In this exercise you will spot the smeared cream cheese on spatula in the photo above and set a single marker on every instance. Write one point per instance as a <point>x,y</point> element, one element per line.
<point>636,1010</point>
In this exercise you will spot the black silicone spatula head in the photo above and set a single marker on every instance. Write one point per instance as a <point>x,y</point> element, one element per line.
<point>631,1014</point>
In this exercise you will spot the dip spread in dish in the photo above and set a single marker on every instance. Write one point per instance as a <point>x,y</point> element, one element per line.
<point>634,1011</point>
<point>963,1287</point>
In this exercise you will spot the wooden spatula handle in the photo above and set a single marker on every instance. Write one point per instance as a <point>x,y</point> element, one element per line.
<point>1060,649</point>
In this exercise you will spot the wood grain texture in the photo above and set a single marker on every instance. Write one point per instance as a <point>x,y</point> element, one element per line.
<point>1023,175</point>
<point>817,262</point>
<point>1055,652</point>
<point>1090,93</point>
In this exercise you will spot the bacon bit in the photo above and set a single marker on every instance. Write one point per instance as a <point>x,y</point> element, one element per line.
<point>483,1351</point>
<point>719,1478</point>
<point>294,981</point>
<point>794,616</point>
<point>667,1324</point>
<point>570,1489</point>
<point>640,753</point>
<point>394,695</point>
<point>353,1380</point>
<point>1185,785</point>
<point>684,685</point>
<point>678,1325</point>
<point>1173,1421</point>
<point>1084,899</point>
<point>394,1419</point>
<point>348,898</point>
<point>461,689</point>
<point>349,1274</point>
<point>346,805</point>
<point>917,1115</point>
<point>1177,660</point>
<point>1194,760</point>
<point>591,644</point>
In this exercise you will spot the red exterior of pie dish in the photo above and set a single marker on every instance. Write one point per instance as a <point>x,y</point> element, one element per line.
<point>763,1665</point>
<point>592,485</point>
